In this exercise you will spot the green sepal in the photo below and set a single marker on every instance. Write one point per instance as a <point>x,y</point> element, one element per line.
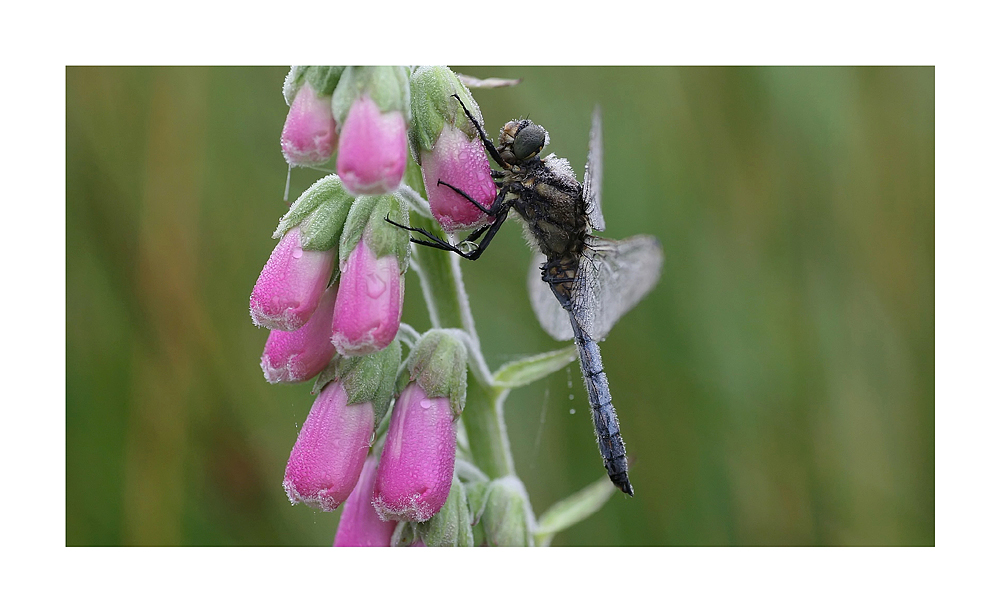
<point>439,365</point>
<point>478,494</point>
<point>367,218</point>
<point>452,525</point>
<point>526,371</point>
<point>328,375</point>
<point>354,226</point>
<point>507,516</point>
<point>570,511</point>
<point>413,176</point>
<point>319,213</point>
<point>387,86</point>
<point>371,378</point>
<point>293,80</point>
<point>433,106</point>
<point>323,80</point>
<point>385,238</point>
<point>405,534</point>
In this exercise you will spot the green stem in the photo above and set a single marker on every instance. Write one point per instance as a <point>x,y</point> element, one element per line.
<point>448,304</point>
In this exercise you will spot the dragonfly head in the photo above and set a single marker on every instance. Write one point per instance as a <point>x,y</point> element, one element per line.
<point>521,140</point>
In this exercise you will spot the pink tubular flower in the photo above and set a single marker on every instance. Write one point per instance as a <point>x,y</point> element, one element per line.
<point>418,460</point>
<point>461,162</point>
<point>359,524</point>
<point>327,458</point>
<point>369,303</point>
<point>299,355</point>
<point>373,148</point>
<point>290,285</point>
<point>310,133</point>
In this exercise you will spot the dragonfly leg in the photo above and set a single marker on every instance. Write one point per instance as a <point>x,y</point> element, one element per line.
<point>493,227</point>
<point>482,136</point>
<point>492,210</point>
<point>439,243</point>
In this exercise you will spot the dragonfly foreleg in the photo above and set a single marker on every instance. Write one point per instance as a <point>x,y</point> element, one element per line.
<point>482,136</point>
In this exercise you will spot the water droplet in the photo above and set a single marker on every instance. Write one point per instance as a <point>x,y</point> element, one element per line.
<point>570,396</point>
<point>466,246</point>
<point>572,410</point>
<point>297,252</point>
<point>375,285</point>
<point>426,403</point>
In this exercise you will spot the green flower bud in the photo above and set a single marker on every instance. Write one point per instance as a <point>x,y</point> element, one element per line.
<point>323,80</point>
<point>507,518</point>
<point>320,213</point>
<point>433,106</point>
<point>367,219</point>
<point>366,378</point>
<point>452,525</point>
<point>387,86</point>
<point>439,366</point>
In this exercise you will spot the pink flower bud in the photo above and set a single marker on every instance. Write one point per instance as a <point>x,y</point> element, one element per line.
<point>299,355</point>
<point>359,524</point>
<point>290,285</point>
<point>327,458</point>
<point>310,133</point>
<point>418,460</point>
<point>459,161</point>
<point>373,148</point>
<point>369,302</point>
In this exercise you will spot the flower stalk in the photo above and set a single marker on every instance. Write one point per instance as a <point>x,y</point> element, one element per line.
<point>441,472</point>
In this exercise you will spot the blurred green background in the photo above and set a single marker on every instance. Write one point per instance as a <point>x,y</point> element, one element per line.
<point>776,388</point>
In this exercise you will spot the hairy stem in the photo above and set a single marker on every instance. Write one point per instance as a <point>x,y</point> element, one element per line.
<point>448,304</point>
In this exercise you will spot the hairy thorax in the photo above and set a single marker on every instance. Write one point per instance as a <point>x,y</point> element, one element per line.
<point>551,205</point>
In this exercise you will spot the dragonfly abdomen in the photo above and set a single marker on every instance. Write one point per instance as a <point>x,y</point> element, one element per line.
<point>609,437</point>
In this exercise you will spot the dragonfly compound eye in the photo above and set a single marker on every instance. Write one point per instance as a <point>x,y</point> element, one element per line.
<point>529,141</point>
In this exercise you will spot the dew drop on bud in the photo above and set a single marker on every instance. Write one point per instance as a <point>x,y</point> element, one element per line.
<point>375,285</point>
<point>297,253</point>
<point>426,403</point>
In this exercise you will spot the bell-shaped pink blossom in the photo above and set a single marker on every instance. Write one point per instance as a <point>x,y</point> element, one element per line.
<point>359,524</point>
<point>310,133</point>
<point>290,285</point>
<point>461,162</point>
<point>299,355</point>
<point>373,148</point>
<point>327,458</point>
<point>369,302</point>
<point>418,459</point>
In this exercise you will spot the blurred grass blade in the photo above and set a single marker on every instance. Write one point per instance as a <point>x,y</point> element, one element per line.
<point>570,511</point>
<point>526,371</point>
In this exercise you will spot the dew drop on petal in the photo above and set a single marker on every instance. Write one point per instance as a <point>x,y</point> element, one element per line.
<point>426,403</point>
<point>375,285</point>
<point>297,253</point>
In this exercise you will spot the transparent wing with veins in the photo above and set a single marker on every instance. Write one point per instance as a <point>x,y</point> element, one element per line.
<point>593,173</point>
<point>613,276</point>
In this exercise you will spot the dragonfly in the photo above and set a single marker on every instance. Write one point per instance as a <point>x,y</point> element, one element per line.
<point>587,282</point>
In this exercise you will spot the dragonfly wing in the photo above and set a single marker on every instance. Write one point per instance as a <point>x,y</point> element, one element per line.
<point>553,318</point>
<point>614,275</point>
<point>593,173</point>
